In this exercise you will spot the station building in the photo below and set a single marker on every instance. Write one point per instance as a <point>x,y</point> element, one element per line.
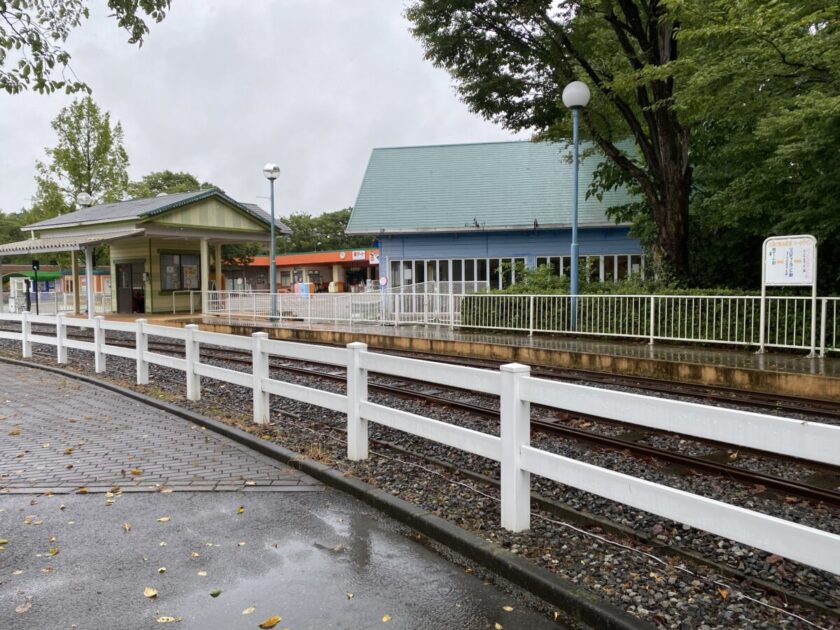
<point>160,247</point>
<point>338,271</point>
<point>472,212</point>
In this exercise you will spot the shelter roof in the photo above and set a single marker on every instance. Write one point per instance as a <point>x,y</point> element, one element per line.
<point>469,187</point>
<point>66,243</point>
<point>147,208</point>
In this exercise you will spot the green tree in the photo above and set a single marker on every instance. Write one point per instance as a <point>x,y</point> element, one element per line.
<point>165,182</point>
<point>33,33</point>
<point>324,232</point>
<point>10,225</point>
<point>762,81</point>
<point>88,158</point>
<point>511,60</point>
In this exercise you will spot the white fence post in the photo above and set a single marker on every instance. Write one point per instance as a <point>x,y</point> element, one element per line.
<point>515,433</point>
<point>98,342</point>
<point>451,309</point>
<point>141,343</point>
<point>357,392</point>
<point>26,333</point>
<point>193,356</point>
<point>823,316</point>
<point>531,316</point>
<point>60,338</point>
<point>652,318</point>
<point>259,362</point>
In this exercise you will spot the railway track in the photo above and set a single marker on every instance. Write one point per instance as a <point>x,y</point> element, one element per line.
<point>715,463</point>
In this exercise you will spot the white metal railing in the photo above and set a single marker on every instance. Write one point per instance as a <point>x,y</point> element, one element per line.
<point>517,390</point>
<point>729,320</point>
<point>442,286</point>
<point>53,302</point>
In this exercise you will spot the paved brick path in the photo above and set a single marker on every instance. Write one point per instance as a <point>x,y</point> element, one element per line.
<point>59,434</point>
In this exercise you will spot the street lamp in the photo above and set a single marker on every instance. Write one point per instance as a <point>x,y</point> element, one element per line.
<point>272,172</point>
<point>575,97</point>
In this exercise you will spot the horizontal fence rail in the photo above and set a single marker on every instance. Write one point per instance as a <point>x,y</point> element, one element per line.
<point>516,390</point>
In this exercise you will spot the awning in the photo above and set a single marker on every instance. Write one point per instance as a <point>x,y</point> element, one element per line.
<point>42,275</point>
<point>66,243</point>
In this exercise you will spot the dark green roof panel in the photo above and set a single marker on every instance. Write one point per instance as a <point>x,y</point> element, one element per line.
<point>497,185</point>
<point>152,206</point>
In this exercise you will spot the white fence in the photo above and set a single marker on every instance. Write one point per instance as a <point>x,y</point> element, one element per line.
<point>339,308</point>
<point>53,302</point>
<point>729,320</point>
<point>517,390</point>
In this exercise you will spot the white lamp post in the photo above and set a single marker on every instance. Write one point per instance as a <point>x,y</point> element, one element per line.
<point>272,172</point>
<point>575,97</point>
<point>84,200</point>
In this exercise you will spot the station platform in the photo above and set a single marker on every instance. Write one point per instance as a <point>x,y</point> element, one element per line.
<point>791,374</point>
<point>783,373</point>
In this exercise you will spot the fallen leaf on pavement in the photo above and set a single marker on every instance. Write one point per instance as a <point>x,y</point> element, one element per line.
<point>67,451</point>
<point>163,519</point>
<point>4,541</point>
<point>248,610</point>
<point>202,574</point>
<point>386,618</point>
<point>150,592</point>
<point>168,619</point>
<point>240,509</point>
<point>53,551</point>
<point>136,471</point>
<point>162,570</point>
<point>507,608</point>
<point>25,606</point>
<point>82,490</point>
<point>14,432</point>
<point>271,622</point>
<point>215,592</point>
<point>127,527</point>
<point>349,595</point>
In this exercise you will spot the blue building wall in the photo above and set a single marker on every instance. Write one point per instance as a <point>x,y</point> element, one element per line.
<point>526,244</point>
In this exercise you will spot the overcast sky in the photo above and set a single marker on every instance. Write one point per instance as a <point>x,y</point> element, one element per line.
<point>220,88</point>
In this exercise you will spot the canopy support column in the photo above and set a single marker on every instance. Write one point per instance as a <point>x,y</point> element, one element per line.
<point>89,281</point>
<point>217,255</point>
<point>205,275</point>
<point>2,309</point>
<point>74,272</point>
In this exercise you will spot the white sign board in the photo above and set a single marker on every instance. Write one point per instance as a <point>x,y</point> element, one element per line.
<point>790,261</point>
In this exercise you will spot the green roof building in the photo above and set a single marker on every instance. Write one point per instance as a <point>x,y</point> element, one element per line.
<point>468,213</point>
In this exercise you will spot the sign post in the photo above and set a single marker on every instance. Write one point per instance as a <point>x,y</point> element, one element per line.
<point>789,261</point>
<point>35,267</point>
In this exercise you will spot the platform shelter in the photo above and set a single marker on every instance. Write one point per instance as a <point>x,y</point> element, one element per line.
<point>160,247</point>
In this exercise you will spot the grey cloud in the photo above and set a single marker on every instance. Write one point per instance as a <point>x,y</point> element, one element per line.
<point>219,88</point>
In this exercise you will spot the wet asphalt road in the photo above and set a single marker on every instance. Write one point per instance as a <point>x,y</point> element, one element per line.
<point>293,554</point>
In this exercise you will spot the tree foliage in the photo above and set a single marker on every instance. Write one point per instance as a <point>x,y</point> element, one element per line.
<point>324,232</point>
<point>33,34</point>
<point>89,157</point>
<point>763,87</point>
<point>165,182</point>
<point>512,58</point>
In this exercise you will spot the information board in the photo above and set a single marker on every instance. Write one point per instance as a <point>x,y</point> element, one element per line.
<point>790,261</point>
